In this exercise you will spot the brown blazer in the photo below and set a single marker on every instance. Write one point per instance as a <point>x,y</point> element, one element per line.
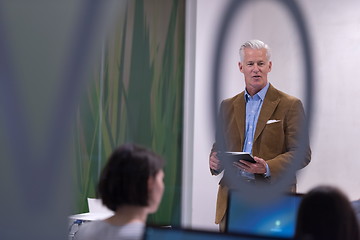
<point>275,142</point>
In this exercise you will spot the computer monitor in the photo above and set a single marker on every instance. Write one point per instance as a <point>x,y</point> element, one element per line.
<point>166,233</point>
<point>276,219</point>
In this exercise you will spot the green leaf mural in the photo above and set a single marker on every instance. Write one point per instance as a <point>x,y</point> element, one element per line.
<point>136,96</point>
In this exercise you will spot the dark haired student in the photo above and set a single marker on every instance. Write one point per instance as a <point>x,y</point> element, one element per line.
<point>131,184</point>
<point>326,213</point>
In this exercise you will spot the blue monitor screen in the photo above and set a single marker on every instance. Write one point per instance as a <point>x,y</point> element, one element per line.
<point>156,233</point>
<point>277,219</point>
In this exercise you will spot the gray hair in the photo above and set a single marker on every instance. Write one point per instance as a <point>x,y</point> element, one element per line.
<point>254,44</point>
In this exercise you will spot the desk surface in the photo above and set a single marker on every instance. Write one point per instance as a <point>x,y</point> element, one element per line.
<point>90,216</point>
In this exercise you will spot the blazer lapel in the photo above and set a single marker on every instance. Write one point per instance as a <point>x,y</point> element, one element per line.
<point>270,102</point>
<point>239,110</point>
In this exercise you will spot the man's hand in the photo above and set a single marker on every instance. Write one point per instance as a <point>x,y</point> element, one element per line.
<point>214,162</point>
<point>259,167</point>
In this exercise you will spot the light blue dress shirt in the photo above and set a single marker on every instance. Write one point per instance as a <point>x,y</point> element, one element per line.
<point>253,108</point>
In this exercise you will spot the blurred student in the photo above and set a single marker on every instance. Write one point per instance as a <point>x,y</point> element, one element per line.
<point>131,184</point>
<point>325,213</point>
<point>356,206</point>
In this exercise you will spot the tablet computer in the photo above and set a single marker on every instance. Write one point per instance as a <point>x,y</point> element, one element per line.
<point>236,156</point>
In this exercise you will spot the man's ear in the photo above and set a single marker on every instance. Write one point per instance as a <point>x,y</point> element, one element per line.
<point>270,66</point>
<point>240,67</point>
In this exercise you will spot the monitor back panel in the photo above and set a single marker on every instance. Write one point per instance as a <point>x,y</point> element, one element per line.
<point>158,233</point>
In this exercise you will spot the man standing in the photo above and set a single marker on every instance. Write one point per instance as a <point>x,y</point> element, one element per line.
<point>261,120</point>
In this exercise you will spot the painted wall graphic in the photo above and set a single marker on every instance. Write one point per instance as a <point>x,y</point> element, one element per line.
<point>136,96</point>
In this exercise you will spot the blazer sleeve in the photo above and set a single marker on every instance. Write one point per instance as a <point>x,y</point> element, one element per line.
<point>219,137</point>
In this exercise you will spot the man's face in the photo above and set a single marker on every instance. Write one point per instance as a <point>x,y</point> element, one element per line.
<point>255,67</point>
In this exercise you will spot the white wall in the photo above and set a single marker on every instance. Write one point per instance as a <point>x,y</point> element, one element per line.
<point>336,122</point>
<point>335,33</point>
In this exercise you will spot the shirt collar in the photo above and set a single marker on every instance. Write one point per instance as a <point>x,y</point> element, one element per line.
<point>261,94</point>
